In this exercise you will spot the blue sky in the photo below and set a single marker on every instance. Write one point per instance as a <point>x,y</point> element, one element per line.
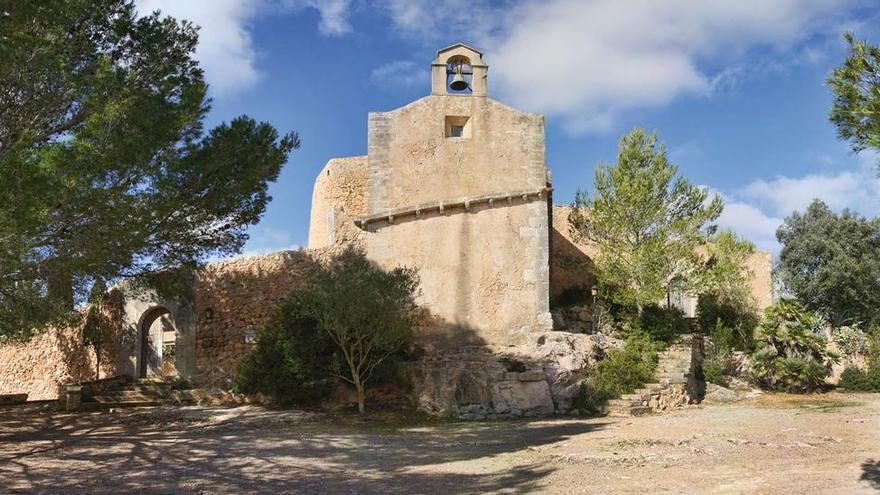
<point>735,89</point>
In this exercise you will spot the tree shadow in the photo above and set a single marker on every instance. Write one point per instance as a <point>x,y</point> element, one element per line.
<point>871,473</point>
<point>133,452</point>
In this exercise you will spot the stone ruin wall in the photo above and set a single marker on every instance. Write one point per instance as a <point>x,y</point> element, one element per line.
<point>237,296</point>
<point>232,297</point>
<point>41,366</point>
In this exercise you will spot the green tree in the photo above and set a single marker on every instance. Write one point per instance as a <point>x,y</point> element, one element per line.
<point>725,304</point>
<point>367,312</point>
<point>856,86</point>
<point>106,167</point>
<point>647,222</point>
<point>831,262</point>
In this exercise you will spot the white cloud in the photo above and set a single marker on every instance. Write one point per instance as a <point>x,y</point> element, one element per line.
<point>267,240</point>
<point>751,223</point>
<point>334,14</point>
<point>447,21</point>
<point>756,210</point>
<point>588,62</point>
<point>401,73</point>
<point>850,189</point>
<point>225,50</point>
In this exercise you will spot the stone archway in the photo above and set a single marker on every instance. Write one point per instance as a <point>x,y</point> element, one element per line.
<point>155,326</point>
<point>157,338</point>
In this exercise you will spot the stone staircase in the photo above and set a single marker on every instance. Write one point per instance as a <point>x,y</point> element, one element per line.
<point>674,370</point>
<point>123,392</point>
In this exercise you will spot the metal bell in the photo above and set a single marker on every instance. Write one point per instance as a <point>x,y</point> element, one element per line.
<point>458,83</point>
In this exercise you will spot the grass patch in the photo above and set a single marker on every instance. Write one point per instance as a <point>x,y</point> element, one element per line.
<point>813,402</point>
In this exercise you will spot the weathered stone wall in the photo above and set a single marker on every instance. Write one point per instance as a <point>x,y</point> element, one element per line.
<point>340,194</point>
<point>40,366</point>
<point>570,261</point>
<point>481,272</point>
<point>411,161</point>
<point>235,297</point>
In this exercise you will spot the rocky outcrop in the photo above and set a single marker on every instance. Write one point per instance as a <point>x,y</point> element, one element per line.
<point>538,378</point>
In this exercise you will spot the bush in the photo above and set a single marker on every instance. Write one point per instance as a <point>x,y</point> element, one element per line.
<point>858,380</point>
<point>621,372</point>
<point>663,324</point>
<point>723,339</point>
<point>740,317</point>
<point>790,356</point>
<point>851,340</point>
<point>351,322</point>
<point>292,361</point>
<point>713,372</point>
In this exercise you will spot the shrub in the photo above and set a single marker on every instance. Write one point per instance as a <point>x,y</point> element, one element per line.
<point>861,381</point>
<point>723,338</point>
<point>621,372</point>
<point>851,340</point>
<point>738,316</point>
<point>790,356</point>
<point>352,321</point>
<point>663,324</point>
<point>292,361</point>
<point>713,372</point>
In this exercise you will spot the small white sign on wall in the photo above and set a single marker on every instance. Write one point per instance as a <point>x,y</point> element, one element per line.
<point>250,337</point>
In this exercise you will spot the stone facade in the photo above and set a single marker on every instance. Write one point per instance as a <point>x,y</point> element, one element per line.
<point>467,208</point>
<point>232,299</point>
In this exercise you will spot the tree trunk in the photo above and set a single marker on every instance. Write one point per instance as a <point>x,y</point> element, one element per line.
<point>97,363</point>
<point>361,397</point>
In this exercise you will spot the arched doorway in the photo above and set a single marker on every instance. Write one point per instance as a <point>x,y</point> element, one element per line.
<point>157,343</point>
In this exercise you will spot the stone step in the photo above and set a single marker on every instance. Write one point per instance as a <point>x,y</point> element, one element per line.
<point>631,411</point>
<point>97,406</point>
<point>123,396</point>
<point>672,374</point>
<point>677,368</point>
<point>650,389</point>
<point>672,381</point>
<point>623,403</point>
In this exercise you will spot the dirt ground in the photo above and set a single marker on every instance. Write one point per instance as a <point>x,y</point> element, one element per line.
<point>770,444</point>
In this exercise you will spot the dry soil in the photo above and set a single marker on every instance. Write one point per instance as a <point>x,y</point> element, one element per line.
<point>770,444</point>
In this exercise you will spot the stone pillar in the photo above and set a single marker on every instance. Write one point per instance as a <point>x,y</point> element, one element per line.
<point>72,397</point>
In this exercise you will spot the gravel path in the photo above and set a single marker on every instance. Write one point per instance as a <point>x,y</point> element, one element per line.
<point>771,444</point>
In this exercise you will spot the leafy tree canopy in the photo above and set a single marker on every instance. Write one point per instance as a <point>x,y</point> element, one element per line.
<point>106,167</point>
<point>831,262</point>
<point>367,312</point>
<point>647,222</point>
<point>856,86</point>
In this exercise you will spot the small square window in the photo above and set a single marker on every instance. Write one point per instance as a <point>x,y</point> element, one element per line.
<point>458,127</point>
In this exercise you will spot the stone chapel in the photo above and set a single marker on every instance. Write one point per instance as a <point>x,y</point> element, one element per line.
<point>455,185</point>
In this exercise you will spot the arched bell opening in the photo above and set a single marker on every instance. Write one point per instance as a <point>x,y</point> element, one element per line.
<point>459,75</point>
<point>157,343</point>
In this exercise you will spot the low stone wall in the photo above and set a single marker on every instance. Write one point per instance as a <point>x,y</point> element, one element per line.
<point>233,299</point>
<point>42,365</point>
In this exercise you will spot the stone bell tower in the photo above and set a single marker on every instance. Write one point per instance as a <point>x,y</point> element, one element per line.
<point>462,60</point>
<point>454,184</point>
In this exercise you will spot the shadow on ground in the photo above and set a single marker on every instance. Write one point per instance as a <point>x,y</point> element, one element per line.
<point>871,473</point>
<point>103,453</point>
